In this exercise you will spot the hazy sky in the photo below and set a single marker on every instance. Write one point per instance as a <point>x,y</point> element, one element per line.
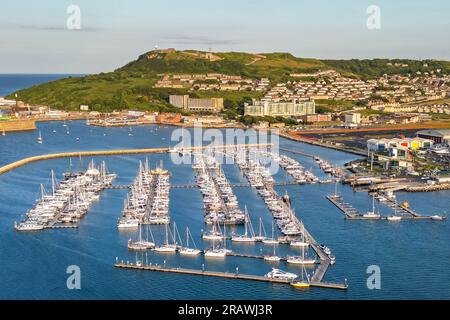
<point>34,37</point>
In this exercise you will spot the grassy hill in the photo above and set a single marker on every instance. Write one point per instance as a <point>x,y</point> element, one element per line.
<point>131,86</point>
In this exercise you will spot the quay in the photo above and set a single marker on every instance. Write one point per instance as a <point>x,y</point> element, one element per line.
<point>226,275</point>
<point>74,154</point>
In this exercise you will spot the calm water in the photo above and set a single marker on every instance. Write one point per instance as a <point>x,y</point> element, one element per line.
<point>13,82</point>
<point>413,256</point>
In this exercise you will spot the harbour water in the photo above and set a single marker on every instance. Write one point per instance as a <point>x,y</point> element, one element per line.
<point>413,255</point>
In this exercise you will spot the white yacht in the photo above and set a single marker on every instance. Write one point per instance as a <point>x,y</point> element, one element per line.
<point>394,218</point>
<point>280,274</point>
<point>28,226</point>
<point>128,223</point>
<point>216,253</point>
<point>187,250</point>
<point>300,260</point>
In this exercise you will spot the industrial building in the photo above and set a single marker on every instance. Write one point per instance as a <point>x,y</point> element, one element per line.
<point>381,145</point>
<point>283,109</point>
<point>439,136</point>
<point>184,102</point>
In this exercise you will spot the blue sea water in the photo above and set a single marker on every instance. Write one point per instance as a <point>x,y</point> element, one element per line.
<point>10,83</point>
<point>413,255</point>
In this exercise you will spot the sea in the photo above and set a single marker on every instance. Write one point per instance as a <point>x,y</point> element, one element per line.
<point>10,83</point>
<point>412,257</point>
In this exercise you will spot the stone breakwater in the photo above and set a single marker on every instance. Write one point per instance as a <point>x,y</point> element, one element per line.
<point>17,125</point>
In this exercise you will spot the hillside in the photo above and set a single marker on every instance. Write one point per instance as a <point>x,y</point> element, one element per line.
<point>131,86</point>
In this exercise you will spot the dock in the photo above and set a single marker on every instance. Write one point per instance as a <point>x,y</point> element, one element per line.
<point>351,213</point>
<point>225,275</point>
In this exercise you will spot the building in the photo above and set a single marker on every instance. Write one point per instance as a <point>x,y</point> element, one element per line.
<point>437,135</point>
<point>196,105</point>
<point>352,119</point>
<point>313,118</point>
<point>411,144</point>
<point>282,109</point>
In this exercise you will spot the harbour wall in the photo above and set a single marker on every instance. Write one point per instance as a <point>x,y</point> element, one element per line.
<point>74,154</point>
<point>17,125</point>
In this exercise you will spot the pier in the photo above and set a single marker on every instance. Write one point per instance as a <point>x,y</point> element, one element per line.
<point>225,275</point>
<point>351,213</point>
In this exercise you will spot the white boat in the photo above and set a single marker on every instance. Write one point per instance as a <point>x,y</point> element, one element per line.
<point>168,247</point>
<point>300,260</point>
<point>216,253</point>
<point>3,132</point>
<point>39,139</point>
<point>28,226</point>
<point>372,214</point>
<point>394,218</point>
<point>298,244</point>
<point>245,238</point>
<point>187,250</point>
<point>271,240</point>
<point>272,258</point>
<point>140,244</point>
<point>128,223</point>
<point>438,218</point>
<point>280,274</point>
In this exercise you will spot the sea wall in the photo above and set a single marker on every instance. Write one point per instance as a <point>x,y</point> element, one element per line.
<point>17,125</point>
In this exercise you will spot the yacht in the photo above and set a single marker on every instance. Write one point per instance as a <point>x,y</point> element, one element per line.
<point>187,250</point>
<point>28,226</point>
<point>245,238</point>
<point>39,139</point>
<point>216,253</point>
<point>168,247</point>
<point>300,260</point>
<point>372,214</point>
<point>394,218</point>
<point>280,274</point>
<point>128,223</point>
<point>438,218</point>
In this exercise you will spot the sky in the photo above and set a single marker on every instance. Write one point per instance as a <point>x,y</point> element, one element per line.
<point>34,37</point>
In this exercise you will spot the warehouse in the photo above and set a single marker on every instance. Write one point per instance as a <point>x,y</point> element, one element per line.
<point>439,136</point>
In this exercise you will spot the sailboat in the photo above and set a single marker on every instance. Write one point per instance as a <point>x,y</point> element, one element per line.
<point>130,131</point>
<point>303,260</point>
<point>301,283</point>
<point>372,214</point>
<point>167,247</point>
<point>214,234</point>
<point>395,217</point>
<point>245,238</point>
<point>217,252</point>
<point>187,250</point>
<point>301,242</point>
<point>3,132</point>
<point>271,240</point>
<point>273,257</point>
<point>260,236</point>
<point>64,124</point>
<point>141,244</point>
<point>39,139</point>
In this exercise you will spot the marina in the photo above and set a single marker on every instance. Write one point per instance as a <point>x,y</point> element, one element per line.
<point>100,238</point>
<point>68,201</point>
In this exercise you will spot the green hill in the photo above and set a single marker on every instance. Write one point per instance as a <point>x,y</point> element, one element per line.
<point>131,86</point>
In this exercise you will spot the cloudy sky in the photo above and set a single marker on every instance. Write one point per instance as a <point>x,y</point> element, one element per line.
<point>34,37</point>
